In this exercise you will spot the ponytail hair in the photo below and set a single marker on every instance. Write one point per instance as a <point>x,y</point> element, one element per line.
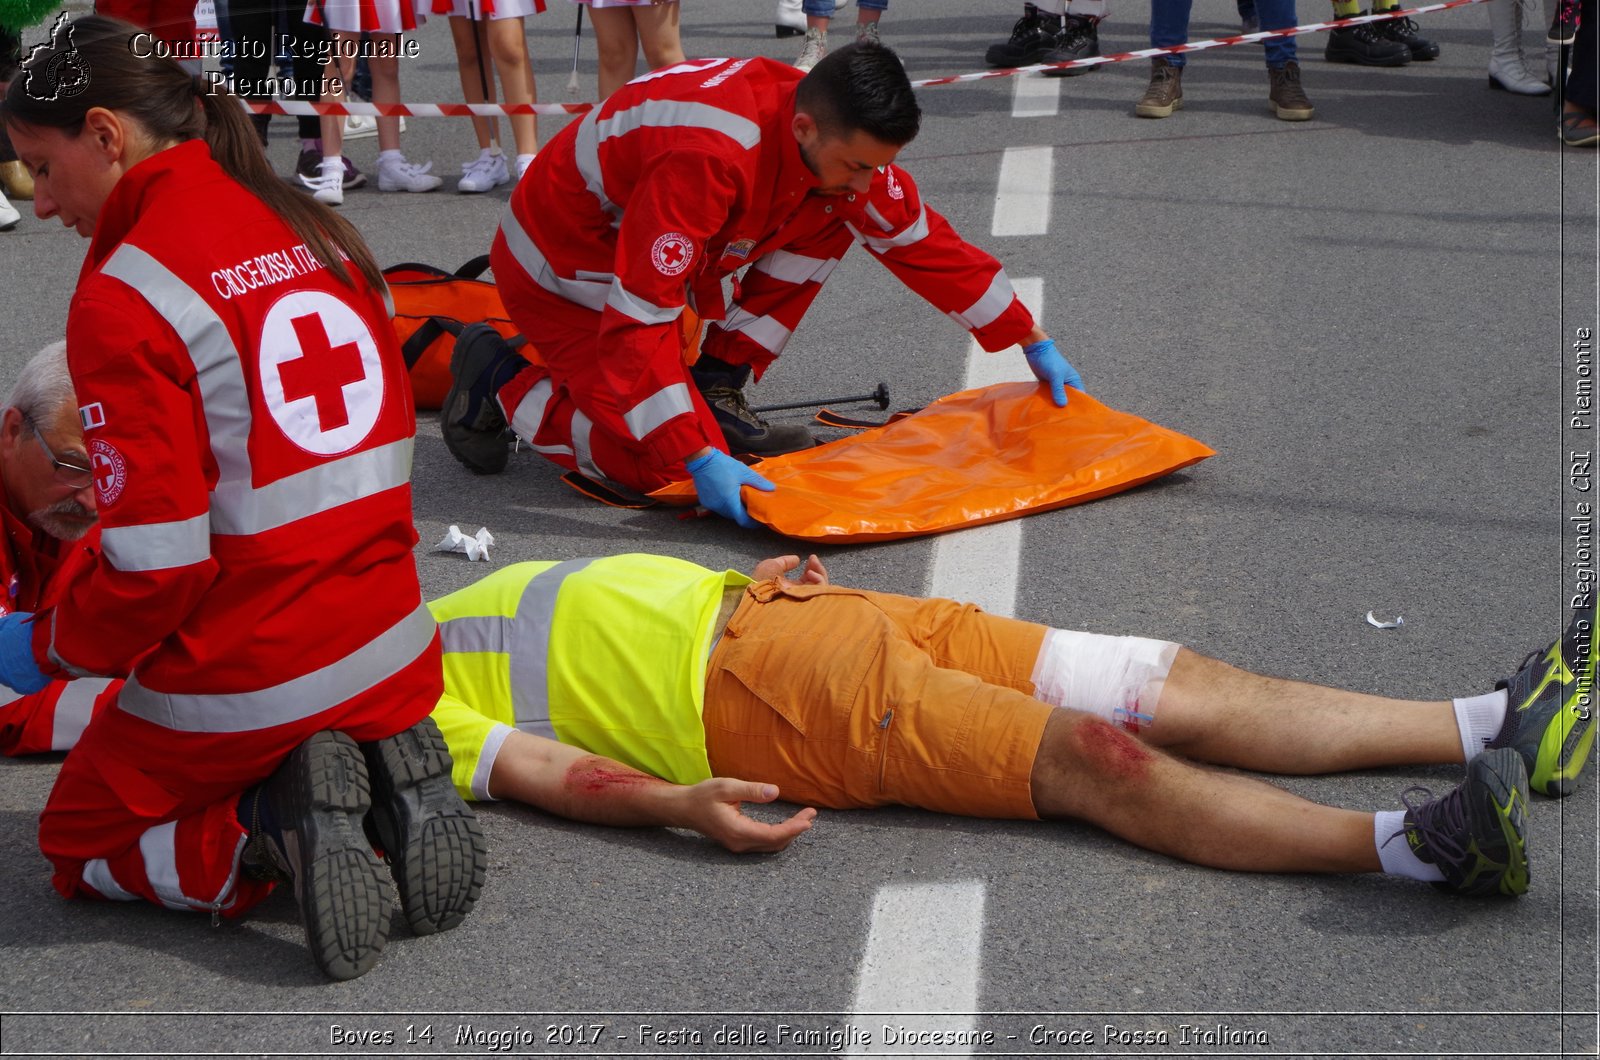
<point>95,61</point>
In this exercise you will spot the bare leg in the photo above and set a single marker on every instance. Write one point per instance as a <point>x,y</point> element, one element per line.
<point>616,45</point>
<point>385,65</point>
<point>336,73</point>
<point>1213,712</point>
<point>477,82</point>
<point>1089,770</point>
<point>657,27</point>
<point>509,45</point>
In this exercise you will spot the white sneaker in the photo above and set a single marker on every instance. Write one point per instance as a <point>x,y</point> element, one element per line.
<point>486,171</point>
<point>816,47</point>
<point>360,126</point>
<point>867,33</point>
<point>523,162</point>
<point>328,185</point>
<point>396,174</point>
<point>8,214</point>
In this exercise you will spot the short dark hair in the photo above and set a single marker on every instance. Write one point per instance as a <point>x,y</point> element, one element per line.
<point>861,87</point>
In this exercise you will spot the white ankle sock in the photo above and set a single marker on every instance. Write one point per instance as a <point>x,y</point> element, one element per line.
<point>390,156</point>
<point>1388,834</point>
<point>1479,719</point>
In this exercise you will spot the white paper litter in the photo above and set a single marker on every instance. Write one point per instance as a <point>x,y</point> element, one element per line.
<point>476,546</point>
<point>1374,620</point>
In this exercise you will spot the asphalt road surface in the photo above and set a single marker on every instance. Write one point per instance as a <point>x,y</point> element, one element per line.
<point>1370,316</point>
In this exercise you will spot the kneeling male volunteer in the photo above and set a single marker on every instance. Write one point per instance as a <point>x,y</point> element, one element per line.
<point>679,180</point>
<point>628,690</point>
<point>48,508</point>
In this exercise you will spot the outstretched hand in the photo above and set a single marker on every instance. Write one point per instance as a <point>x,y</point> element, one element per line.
<point>713,810</point>
<point>813,573</point>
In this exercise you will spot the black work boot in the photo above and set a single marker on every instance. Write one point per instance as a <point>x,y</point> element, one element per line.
<point>1079,39</point>
<point>722,386</point>
<point>475,430</point>
<point>1033,37</point>
<point>429,836</point>
<point>1405,31</point>
<point>1364,46</point>
<point>306,829</point>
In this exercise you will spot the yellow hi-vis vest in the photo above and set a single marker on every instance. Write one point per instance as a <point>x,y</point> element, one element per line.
<point>604,654</point>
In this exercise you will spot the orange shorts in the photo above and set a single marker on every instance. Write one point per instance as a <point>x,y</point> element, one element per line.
<point>845,698</point>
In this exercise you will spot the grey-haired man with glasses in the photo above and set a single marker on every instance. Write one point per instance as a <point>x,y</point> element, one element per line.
<point>47,509</point>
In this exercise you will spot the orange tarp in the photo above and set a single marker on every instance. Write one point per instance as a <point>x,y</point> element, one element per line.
<point>979,456</point>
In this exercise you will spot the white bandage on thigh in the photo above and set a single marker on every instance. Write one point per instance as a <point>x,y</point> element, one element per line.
<point>1118,678</point>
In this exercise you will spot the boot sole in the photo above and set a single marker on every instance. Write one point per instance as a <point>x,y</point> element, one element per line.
<point>483,452</point>
<point>430,836</point>
<point>1358,59</point>
<point>1151,111</point>
<point>338,882</point>
<point>1292,114</point>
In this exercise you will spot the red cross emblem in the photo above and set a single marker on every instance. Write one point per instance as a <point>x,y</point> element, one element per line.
<point>672,253</point>
<point>321,377</point>
<point>321,372</point>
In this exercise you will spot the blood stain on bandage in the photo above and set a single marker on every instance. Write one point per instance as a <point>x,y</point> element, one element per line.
<point>590,776</point>
<point>1114,751</point>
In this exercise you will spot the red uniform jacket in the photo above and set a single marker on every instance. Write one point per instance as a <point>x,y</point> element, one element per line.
<point>250,426</point>
<point>33,568</point>
<point>681,178</point>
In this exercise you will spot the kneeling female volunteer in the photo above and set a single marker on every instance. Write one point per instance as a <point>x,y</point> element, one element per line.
<point>246,411</point>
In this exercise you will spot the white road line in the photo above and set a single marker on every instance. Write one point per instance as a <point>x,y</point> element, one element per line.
<point>1035,97</point>
<point>980,565</point>
<point>1022,200</point>
<point>924,954</point>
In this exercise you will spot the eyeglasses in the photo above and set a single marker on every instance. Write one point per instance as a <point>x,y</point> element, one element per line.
<point>74,475</point>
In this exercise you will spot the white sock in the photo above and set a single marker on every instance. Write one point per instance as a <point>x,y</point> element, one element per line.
<point>1388,834</point>
<point>1051,7</point>
<point>1479,719</point>
<point>523,162</point>
<point>390,156</point>
<point>332,162</point>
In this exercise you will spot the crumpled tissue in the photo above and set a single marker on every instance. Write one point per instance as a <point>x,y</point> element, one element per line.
<point>476,546</point>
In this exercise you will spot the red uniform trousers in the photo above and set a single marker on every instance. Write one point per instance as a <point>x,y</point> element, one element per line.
<point>53,720</point>
<point>142,811</point>
<point>558,409</point>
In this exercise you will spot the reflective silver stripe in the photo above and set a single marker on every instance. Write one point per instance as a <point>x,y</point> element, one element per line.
<point>878,218</point>
<point>586,151</point>
<point>633,307</point>
<point>917,230</point>
<point>472,633</point>
<point>986,310</point>
<point>238,509</point>
<point>530,654</point>
<point>582,452</point>
<point>97,874</point>
<point>667,113</point>
<point>768,333</point>
<point>74,708</point>
<point>158,546</point>
<point>158,849</point>
<point>294,700</point>
<point>657,409</point>
<point>591,294</point>
<point>529,417</point>
<point>794,268</point>
<point>486,756</point>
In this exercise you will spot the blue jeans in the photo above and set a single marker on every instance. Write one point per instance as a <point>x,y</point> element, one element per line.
<point>1169,25</point>
<point>824,8</point>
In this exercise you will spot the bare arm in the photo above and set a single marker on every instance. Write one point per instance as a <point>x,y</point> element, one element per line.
<point>570,782</point>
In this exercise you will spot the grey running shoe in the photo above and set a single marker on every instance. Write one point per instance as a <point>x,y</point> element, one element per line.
<point>318,799</point>
<point>1477,834</point>
<point>429,836</point>
<point>1550,709</point>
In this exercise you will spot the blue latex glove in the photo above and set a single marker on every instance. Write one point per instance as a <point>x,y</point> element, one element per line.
<point>1050,367</point>
<point>717,478</point>
<point>18,670</point>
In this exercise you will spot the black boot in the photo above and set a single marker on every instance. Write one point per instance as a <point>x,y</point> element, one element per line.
<point>722,386</point>
<point>1033,37</point>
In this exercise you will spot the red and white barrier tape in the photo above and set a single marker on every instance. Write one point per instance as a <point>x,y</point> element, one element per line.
<point>496,110</point>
